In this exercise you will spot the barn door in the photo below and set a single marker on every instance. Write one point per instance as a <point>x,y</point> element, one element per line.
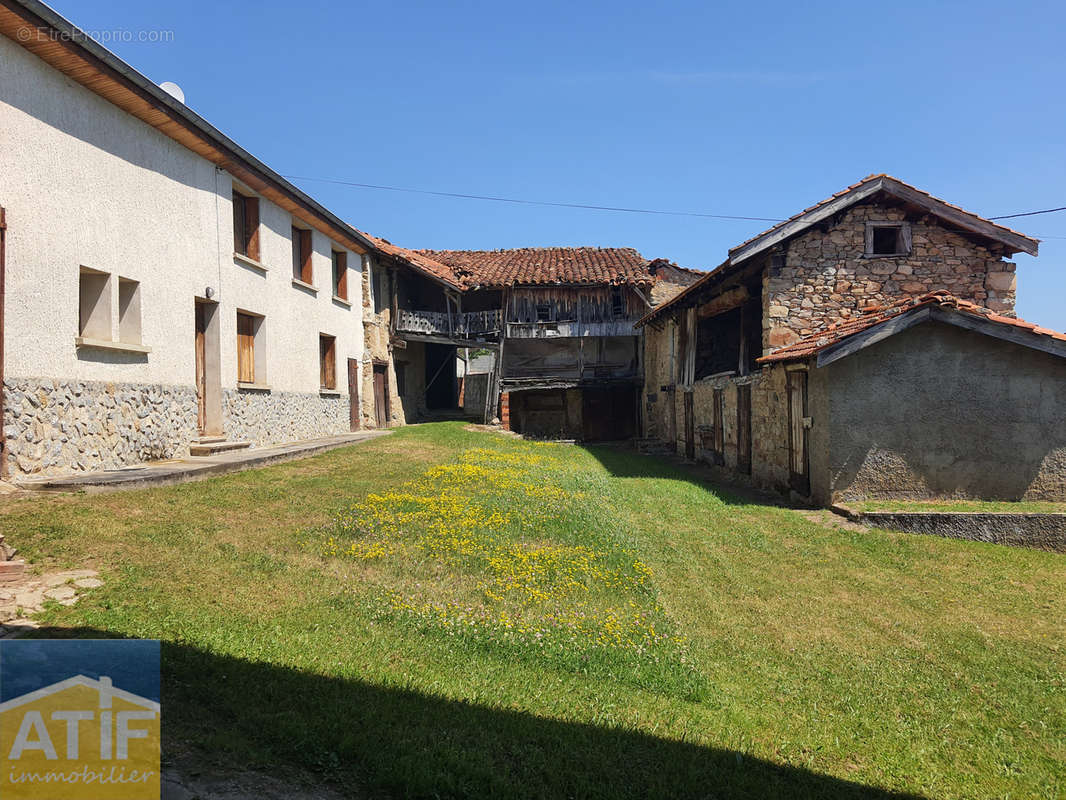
<point>690,428</point>
<point>354,411</point>
<point>744,429</point>
<point>381,395</point>
<point>798,453</point>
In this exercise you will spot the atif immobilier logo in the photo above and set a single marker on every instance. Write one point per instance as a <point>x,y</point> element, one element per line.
<point>79,719</point>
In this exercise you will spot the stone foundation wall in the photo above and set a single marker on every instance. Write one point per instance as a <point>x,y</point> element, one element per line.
<point>55,427</point>
<point>824,276</point>
<point>275,417</point>
<point>769,427</point>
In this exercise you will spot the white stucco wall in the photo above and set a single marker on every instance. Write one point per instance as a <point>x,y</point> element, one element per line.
<point>86,184</point>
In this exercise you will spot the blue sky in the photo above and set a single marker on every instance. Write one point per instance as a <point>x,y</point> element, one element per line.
<point>755,109</point>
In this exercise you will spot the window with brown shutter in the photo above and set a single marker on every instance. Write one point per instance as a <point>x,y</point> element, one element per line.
<point>246,225</point>
<point>246,325</point>
<point>327,349</point>
<point>340,274</point>
<point>301,255</point>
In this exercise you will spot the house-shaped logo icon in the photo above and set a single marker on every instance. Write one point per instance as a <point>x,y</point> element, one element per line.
<point>80,738</point>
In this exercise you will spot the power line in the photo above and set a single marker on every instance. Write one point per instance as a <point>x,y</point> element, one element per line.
<point>533,202</point>
<point>1030,213</point>
<point>519,201</point>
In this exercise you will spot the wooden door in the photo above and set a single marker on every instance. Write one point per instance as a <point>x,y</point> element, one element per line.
<point>201,368</point>
<point>381,395</point>
<point>354,411</point>
<point>690,428</point>
<point>799,465</point>
<point>744,429</point>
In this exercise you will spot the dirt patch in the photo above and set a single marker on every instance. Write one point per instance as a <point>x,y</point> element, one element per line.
<point>22,598</point>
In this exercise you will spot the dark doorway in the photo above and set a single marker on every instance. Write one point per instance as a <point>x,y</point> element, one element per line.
<point>744,429</point>
<point>609,414</point>
<point>381,395</point>
<point>442,388</point>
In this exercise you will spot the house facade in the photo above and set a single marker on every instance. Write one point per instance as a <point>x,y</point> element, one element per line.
<point>716,392</point>
<point>558,321</point>
<point>165,292</point>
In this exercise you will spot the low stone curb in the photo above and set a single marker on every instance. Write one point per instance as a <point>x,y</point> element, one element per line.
<point>193,468</point>
<point>1040,531</point>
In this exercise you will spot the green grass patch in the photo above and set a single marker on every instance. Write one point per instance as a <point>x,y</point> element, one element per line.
<point>347,616</point>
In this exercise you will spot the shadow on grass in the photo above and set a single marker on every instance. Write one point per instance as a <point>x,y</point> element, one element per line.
<point>623,462</point>
<point>372,740</point>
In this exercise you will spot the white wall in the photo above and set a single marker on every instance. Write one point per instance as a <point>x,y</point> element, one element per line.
<point>85,184</point>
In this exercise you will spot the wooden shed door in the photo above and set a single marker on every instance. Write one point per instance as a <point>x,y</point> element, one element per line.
<point>798,454</point>
<point>744,429</point>
<point>381,395</point>
<point>201,369</point>
<point>354,411</point>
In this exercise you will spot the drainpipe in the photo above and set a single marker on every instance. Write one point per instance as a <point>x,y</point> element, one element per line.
<point>3,433</point>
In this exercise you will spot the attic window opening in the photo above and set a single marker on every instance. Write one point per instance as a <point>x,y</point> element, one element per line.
<point>618,302</point>
<point>888,239</point>
<point>544,312</point>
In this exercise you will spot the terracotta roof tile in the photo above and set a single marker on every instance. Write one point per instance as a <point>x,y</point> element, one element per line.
<point>418,261</point>
<point>546,265</point>
<point>815,343</point>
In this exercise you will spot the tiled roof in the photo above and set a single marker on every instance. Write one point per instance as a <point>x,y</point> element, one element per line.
<point>545,265</point>
<point>877,315</point>
<point>418,261</point>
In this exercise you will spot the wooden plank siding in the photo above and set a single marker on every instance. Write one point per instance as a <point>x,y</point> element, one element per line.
<point>245,348</point>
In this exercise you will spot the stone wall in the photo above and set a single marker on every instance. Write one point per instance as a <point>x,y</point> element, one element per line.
<point>274,417</point>
<point>377,346</point>
<point>55,427</point>
<point>824,277</point>
<point>658,373</point>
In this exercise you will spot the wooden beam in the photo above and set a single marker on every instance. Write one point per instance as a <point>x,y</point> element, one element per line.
<point>421,337</point>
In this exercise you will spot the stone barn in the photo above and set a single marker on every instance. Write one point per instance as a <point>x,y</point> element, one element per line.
<point>729,377</point>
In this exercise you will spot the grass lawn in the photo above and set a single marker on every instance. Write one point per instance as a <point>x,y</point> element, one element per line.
<point>447,613</point>
<point>986,506</point>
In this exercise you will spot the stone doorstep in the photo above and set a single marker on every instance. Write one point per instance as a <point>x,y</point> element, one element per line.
<point>220,446</point>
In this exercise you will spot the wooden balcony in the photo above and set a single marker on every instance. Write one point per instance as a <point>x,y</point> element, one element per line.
<point>468,325</point>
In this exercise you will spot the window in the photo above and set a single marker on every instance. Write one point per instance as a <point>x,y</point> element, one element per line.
<point>327,350</point>
<point>246,325</point>
<point>340,274</point>
<point>129,311</point>
<point>246,225</point>
<point>94,304</point>
<point>301,255</point>
<point>618,302</point>
<point>401,379</point>
<point>888,239</point>
<point>544,312</point>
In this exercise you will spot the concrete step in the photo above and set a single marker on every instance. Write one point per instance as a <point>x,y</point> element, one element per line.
<point>208,439</point>
<point>213,448</point>
<point>12,570</point>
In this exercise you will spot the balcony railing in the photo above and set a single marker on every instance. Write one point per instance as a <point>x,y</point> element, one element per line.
<point>468,325</point>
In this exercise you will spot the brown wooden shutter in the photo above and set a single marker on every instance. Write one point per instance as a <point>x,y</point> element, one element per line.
<point>328,361</point>
<point>305,256</point>
<point>245,348</point>
<point>251,226</point>
<point>340,274</point>
<point>240,243</point>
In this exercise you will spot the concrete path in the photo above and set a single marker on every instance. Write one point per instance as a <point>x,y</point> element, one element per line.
<point>192,468</point>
